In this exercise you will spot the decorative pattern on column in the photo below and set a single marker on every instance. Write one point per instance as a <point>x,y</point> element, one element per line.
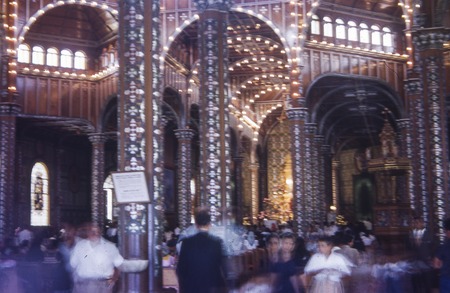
<point>319,179</point>
<point>335,184</point>
<point>414,91</point>
<point>214,99</point>
<point>406,151</point>
<point>98,214</point>
<point>438,145</point>
<point>184,176</point>
<point>297,118</point>
<point>8,113</point>
<point>310,173</point>
<point>239,186</point>
<point>327,177</point>
<point>254,192</point>
<point>140,137</point>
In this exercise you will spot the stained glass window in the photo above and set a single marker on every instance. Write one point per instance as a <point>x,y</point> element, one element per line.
<point>40,204</point>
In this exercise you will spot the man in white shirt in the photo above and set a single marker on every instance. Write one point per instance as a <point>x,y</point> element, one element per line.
<point>95,263</point>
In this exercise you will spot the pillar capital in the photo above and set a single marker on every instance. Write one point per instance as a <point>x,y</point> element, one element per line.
<point>413,86</point>
<point>9,109</point>
<point>97,137</point>
<point>184,134</point>
<point>426,39</point>
<point>297,114</point>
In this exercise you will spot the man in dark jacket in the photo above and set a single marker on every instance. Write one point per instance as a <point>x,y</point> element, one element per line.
<point>201,260</point>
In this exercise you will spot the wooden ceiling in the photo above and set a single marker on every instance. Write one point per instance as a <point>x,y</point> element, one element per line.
<point>78,24</point>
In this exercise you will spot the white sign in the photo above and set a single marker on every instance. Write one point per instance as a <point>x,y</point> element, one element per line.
<point>130,187</point>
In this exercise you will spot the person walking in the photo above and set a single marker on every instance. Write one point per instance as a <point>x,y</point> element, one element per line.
<point>200,267</point>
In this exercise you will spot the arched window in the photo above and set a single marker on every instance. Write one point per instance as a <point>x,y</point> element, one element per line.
<point>112,58</point>
<point>352,31</point>
<point>327,27</point>
<point>37,55</point>
<point>387,37</point>
<point>23,53</point>
<point>108,187</point>
<point>52,57</point>
<point>376,35</point>
<point>40,203</point>
<point>340,29</point>
<point>364,33</point>
<point>66,58</point>
<point>315,25</point>
<point>80,60</point>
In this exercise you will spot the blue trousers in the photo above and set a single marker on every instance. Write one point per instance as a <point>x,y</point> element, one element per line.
<point>444,284</point>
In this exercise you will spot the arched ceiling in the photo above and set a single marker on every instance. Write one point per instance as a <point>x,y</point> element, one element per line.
<point>352,109</point>
<point>79,24</point>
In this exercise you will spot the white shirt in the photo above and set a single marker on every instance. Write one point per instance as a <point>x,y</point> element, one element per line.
<point>332,267</point>
<point>95,262</point>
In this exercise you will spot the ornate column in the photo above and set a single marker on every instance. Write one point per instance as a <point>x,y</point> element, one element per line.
<point>254,192</point>
<point>335,185</point>
<point>8,113</point>
<point>417,150</point>
<point>98,209</point>
<point>140,138</point>
<point>310,171</point>
<point>239,186</point>
<point>262,183</point>
<point>327,178</point>
<point>297,119</point>
<point>184,176</point>
<point>405,150</point>
<point>214,99</point>
<point>319,179</point>
<point>429,45</point>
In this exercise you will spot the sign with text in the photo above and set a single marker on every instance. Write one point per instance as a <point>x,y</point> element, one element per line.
<point>130,187</point>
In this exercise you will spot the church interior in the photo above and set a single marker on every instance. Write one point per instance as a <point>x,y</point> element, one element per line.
<point>292,112</point>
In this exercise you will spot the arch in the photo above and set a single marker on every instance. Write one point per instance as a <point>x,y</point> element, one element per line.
<point>21,34</point>
<point>39,195</point>
<point>194,18</point>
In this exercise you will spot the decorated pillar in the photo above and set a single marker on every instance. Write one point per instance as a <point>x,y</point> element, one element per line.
<point>254,192</point>
<point>215,156</point>
<point>8,114</point>
<point>297,120</point>
<point>405,150</point>
<point>98,209</point>
<point>310,171</point>
<point>429,45</point>
<point>319,179</point>
<point>327,178</point>
<point>239,186</point>
<point>418,183</point>
<point>140,139</point>
<point>336,165</point>
<point>184,176</point>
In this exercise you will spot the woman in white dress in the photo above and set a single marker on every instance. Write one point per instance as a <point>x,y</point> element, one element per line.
<point>327,268</point>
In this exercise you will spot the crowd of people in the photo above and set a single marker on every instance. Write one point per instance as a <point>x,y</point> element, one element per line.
<point>326,258</point>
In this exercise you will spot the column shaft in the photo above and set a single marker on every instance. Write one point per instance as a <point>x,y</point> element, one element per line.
<point>184,177</point>
<point>98,209</point>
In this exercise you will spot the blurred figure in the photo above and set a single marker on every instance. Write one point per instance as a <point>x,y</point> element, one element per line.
<point>327,268</point>
<point>285,269</point>
<point>201,259</point>
<point>250,242</point>
<point>95,263</point>
<point>273,248</point>
<point>442,260</point>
